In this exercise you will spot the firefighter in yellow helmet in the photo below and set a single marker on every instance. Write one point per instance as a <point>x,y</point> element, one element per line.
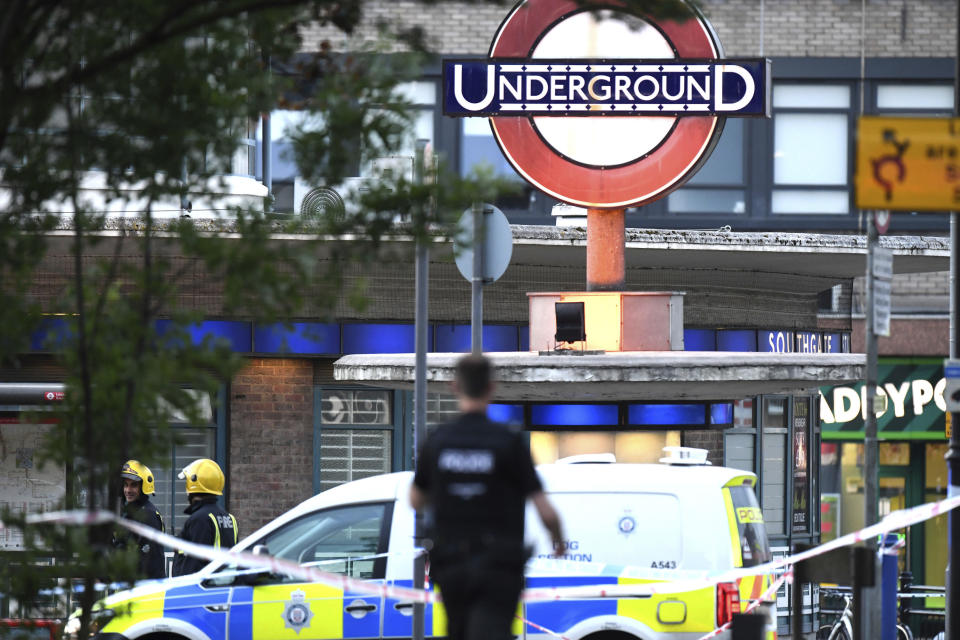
<point>138,485</point>
<point>208,522</point>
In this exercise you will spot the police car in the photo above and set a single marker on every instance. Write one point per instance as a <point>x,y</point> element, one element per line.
<point>625,524</point>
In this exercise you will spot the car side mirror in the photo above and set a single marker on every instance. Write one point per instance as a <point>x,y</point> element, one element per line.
<point>260,550</point>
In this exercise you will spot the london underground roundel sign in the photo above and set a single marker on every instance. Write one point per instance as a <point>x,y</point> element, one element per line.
<point>601,107</point>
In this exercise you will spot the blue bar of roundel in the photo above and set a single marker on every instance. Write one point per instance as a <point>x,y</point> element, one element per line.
<point>736,340</point>
<point>524,339</point>
<point>301,337</point>
<point>52,334</point>
<point>455,338</point>
<point>573,415</point>
<point>379,338</point>
<point>666,414</point>
<point>721,413</point>
<point>506,413</point>
<point>561,616</point>
<point>475,100</point>
<point>699,340</point>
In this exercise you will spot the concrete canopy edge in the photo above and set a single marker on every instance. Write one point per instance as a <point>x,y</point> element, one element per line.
<point>640,376</point>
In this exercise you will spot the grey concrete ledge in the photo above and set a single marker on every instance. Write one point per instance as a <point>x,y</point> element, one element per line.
<point>648,375</point>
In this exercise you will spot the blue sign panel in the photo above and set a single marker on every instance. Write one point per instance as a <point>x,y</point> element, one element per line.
<point>507,413</point>
<point>775,341</point>
<point>666,414</point>
<point>453,338</point>
<point>541,87</point>
<point>736,340</point>
<point>299,337</point>
<point>574,415</point>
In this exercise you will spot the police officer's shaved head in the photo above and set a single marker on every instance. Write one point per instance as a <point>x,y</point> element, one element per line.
<point>473,376</point>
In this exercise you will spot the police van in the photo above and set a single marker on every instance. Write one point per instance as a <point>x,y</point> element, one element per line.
<point>624,523</point>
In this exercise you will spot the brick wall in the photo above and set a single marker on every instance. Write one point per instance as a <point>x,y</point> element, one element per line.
<point>709,439</point>
<point>817,28</point>
<point>908,337</point>
<point>271,439</point>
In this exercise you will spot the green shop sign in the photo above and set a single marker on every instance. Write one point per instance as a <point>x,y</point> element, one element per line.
<point>911,390</point>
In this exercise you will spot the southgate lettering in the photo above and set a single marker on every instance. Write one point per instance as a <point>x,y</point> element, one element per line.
<point>599,87</point>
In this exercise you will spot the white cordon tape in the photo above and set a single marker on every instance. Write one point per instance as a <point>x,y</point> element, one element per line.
<point>241,558</point>
<point>753,605</point>
<point>544,629</point>
<point>892,522</point>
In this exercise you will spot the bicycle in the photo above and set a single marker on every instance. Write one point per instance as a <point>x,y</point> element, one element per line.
<point>842,628</point>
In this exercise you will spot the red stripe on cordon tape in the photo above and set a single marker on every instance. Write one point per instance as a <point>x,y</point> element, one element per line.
<point>753,605</point>
<point>895,520</point>
<point>244,559</point>
<point>544,629</point>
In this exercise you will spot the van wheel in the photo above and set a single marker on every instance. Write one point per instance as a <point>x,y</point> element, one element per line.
<point>610,635</point>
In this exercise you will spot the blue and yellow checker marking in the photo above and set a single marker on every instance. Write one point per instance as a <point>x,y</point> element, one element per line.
<point>189,603</point>
<point>259,613</point>
<point>256,613</point>
<point>561,616</point>
<point>133,612</point>
<point>399,625</point>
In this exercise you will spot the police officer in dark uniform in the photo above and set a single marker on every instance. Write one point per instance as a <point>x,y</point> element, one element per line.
<point>208,523</point>
<point>138,485</point>
<point>476,476</point>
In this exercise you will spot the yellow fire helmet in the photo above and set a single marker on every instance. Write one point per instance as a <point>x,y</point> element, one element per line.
<point>203,476</point>
<point>136,470</point>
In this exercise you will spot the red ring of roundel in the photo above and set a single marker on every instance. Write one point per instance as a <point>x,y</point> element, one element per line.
<point>643,180</point>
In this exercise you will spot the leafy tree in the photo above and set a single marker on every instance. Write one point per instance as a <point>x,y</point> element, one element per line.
<point>149,101</point>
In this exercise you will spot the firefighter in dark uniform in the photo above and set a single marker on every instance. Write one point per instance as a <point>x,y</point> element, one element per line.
<point>138,485</point>
<point>208,522</point>
<point>475,476</point>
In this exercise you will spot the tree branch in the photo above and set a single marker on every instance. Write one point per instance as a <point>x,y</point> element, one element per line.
<point>154,38</point>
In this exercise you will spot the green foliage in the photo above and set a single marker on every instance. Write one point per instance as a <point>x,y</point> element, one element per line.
<point>147,102</point>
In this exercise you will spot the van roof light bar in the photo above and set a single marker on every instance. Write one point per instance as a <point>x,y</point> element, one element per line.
<point>685,456</point>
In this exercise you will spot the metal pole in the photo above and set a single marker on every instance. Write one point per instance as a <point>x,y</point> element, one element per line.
<point>868,617</point>
<point>420,393</point>
<point>870,467</point>
<point>476,282</point>
<point>266,159</point>
<point>952,577</point>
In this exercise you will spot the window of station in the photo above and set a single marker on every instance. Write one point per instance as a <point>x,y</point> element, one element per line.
<point>907,98</point>
<point>356,435</point>
<point>811,155</point>
<point>719,186</point>
<point>627,446</point>
<point>479,152</point>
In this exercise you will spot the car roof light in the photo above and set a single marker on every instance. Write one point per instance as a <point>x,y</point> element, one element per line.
<point>685,456</point>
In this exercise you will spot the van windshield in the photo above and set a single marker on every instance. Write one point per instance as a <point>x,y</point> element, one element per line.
<point>754,546</point>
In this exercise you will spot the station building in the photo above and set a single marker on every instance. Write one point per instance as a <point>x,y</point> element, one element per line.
<point>764,242</point>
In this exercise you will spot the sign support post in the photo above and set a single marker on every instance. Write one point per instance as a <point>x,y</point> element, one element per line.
<point>476,281</point>
<point>869,616</point>
<point>421,277</point>
<point>606,265</point>
<point>952,577</point>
